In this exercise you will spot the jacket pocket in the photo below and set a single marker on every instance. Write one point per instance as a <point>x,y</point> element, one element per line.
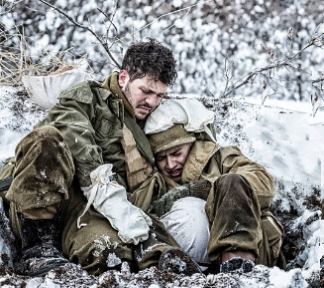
<point>108,126</point>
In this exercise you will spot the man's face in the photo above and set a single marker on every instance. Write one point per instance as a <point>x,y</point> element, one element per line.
<point>143,94</point>
<point>170,162</point>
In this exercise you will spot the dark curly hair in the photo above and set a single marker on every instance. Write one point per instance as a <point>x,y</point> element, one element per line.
<point>150,58</point>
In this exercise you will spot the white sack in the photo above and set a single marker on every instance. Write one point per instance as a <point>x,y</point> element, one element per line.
<point>188,224</point>
<point>44,90</point>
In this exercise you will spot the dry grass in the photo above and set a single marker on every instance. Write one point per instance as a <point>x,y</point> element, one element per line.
<point>19,60</point>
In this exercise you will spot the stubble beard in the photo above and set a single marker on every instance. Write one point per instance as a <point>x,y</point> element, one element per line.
<point>128,96</point>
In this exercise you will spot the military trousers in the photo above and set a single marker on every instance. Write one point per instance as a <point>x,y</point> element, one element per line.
<point>44,188</point>
<point>237,222</point>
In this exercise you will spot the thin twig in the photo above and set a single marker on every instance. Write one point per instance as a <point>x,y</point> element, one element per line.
<point>245,79</point>
<point>320,79</point>
<point>13,4</point>
<point>169,27</point>
<point>313,41</point>
<point>86,28</point>
<point>164,15</point>
<point>227,76</point>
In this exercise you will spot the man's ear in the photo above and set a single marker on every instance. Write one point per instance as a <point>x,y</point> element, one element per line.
<point>123,78</point>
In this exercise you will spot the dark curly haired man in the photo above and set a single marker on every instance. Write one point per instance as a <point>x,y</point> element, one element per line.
<point>83,179</point>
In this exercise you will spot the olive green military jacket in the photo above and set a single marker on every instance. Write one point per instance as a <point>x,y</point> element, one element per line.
<point>91,120</point>
<point>207,160</point>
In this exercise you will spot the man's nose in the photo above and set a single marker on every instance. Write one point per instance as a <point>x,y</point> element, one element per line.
<point>153,100</point>
<point>171,163</point>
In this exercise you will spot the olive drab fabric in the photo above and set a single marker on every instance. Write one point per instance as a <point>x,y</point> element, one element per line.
<point>149,191</point>
<point>234,217</point>
<point>43,173</point>
<point>90,119</point>
<point>207,160</point>
<point>6,172</point>
<point>88,127</point>
<point>137,167</point>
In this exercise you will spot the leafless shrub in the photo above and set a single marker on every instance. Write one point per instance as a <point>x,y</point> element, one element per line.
<point>20,60</point>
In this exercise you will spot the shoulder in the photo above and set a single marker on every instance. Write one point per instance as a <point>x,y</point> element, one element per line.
<point>85,91</point>
<point>230,150</point>
<point>204,148</point>
<point>198,158</point>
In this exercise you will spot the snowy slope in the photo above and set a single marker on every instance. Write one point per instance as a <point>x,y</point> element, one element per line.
<point>279,138</point>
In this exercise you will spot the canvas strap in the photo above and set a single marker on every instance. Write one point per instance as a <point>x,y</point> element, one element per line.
<point>5,183</point>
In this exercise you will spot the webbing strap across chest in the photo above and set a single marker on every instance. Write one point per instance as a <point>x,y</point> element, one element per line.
<point>5,183</point>
<point>142,143</point>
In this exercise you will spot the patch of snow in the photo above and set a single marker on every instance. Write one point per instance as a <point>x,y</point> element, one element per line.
<point>113,260</point>
<point>281,279</point>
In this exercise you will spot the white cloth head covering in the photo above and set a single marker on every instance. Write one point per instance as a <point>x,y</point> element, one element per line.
<point>189,112</point>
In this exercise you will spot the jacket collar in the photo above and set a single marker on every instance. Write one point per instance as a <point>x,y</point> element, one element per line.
<point>111,83</point>
<point>199,155</point>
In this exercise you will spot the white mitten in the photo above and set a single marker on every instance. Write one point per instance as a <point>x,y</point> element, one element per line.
<point>110,199</point>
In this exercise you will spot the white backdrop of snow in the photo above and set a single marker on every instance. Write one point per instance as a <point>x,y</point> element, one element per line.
<point>202,37</point>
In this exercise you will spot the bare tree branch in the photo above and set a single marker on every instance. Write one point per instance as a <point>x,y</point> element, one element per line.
<point>104,44</point>
<point>319,88</point>
<point>7,6</point>
<point>227,76</point>
<point>251,75</point>
<point>187,12</point>
<point>111,23</point>
<point>313,41</point>
<point>320,79</point>
<point>109,20</point>
<point>164,15</point>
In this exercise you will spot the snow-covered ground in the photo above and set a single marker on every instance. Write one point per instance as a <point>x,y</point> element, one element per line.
<point>280,135</point>
<point>283,137</point>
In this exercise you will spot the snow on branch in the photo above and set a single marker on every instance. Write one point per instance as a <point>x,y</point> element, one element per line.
<point>318,80</point>
<point>100,39</point>
<point>317,39</point>
<point>7,6</point>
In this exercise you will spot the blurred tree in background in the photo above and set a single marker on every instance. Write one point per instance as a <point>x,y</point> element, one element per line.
<point>217,42</point>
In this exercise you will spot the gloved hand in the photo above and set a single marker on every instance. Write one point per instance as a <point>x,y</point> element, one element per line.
<point>198,188</point>
<point>164,204</point>
<point>110,199</point>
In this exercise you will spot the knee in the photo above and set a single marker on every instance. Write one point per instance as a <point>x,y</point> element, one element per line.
<point>45,132</point>
<point>234,188</point>
<point>233,180</point>
<point>42,139</point>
